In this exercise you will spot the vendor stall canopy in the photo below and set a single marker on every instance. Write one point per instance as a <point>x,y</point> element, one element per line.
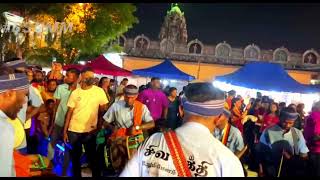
<point>101,65</point>
<point>265,76</point>
<point>165,70</point>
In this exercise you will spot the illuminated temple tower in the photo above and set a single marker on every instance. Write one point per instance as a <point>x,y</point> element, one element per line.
<point>174,29</point>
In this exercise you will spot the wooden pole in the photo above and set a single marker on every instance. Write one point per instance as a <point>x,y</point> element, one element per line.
<point>199,65</point>
<point>280,166</point>
<point>116,83</point>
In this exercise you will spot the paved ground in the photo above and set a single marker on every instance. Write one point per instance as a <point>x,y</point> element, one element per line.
<point>86,172</point>
<point>250,173</point>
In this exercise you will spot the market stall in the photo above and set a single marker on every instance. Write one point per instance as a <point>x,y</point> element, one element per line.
<point>270,79</point>
<point>168,72</point>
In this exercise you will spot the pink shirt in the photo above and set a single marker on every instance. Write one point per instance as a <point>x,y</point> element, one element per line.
<point>155,100</point>
<point>312,128</point>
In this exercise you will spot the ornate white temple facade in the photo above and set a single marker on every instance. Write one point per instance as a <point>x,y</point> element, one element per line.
<point>173,43</point>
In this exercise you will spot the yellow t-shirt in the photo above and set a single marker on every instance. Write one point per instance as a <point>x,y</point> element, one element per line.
<point>19,133</point>
<point>86,106</point>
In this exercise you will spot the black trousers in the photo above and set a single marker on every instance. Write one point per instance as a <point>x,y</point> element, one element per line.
<point>57,136</point>
<point>314,164</point>
<point>89,141</point>
<point>32,142</point>
<point>294,167</point>
<point>100,161</point>
<point>250,132</point>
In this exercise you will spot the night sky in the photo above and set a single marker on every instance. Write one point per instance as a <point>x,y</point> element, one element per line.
<point>294,26</point>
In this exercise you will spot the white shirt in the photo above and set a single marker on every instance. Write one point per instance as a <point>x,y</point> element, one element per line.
<point>35,101</point>
<point>206,156</point>
<point>6,147</point>
<point>123,116</point>
<point>277,134</point>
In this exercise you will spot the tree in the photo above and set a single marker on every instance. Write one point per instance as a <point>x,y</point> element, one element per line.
<point>94,26</point>
<point>108,23</point>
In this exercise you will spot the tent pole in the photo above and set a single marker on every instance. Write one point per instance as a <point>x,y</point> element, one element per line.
<point>198,75</point>
<point>116,85</point>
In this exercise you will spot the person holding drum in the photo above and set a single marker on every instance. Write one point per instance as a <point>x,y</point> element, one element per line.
<point>190,150</point>
<point>128,118</point>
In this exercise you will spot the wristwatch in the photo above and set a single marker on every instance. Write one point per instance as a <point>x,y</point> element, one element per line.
<point>137,127</point>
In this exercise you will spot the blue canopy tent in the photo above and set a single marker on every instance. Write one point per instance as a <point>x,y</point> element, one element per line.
<point>164,70</point>
<point>265,76</point>
<point>315,87</point>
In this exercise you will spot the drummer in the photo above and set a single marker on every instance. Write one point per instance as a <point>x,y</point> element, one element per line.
<point>13,92</point>
<point>282,143</point>
<point>129,114</point>
<point>192,149</point>
<point>229,135</point>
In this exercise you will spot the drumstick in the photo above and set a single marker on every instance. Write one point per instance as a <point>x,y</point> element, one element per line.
<point>279,172</point>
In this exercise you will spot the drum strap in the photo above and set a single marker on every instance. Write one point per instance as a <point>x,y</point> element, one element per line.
<point>226,134</point>
<point>176,152</point>
<point>137,121</point>
<point>295,138</point>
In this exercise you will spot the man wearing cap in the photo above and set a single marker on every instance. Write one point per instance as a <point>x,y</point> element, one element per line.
<point>129,117</point>
<point>190,150</point>
<point>282,148</point>
<point>28,111</point>
<point>229,135</point>
<point>83,119</point>
<point>123,113</point>
<point>13,91</point>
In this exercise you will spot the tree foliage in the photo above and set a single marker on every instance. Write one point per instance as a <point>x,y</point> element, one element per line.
<point>94,26</point>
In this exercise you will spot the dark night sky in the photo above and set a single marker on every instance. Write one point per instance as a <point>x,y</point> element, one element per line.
<point>295,26</point>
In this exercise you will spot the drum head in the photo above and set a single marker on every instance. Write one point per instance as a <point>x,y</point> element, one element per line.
<point>19,133</point>
<point>118,154</point>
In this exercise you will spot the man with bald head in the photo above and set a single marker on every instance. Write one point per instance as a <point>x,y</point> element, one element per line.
<point>84,118</point>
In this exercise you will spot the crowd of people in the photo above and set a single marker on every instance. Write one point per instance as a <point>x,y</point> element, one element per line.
<point>148,130</point>
<point>281,140</point>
